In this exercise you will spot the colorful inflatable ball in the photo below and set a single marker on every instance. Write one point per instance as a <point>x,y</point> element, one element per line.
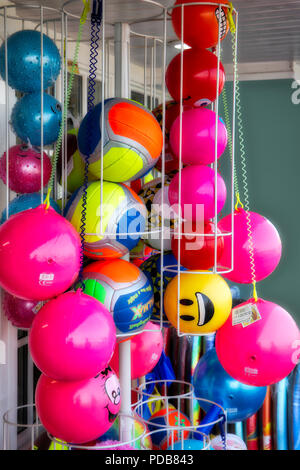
<point>141,253</point>
<point>124,290</point>
<point>201,23</point>
<point>24,61</point>
<point>197,193</point>
<point>204,302</point>
<point>113,231</point>
<point>146,349</point>
<point>78,412</point>
<point>72,337</point>
<point>132,140</point>
<point>198,137</point>
<point>26,119</point>
<point>212,382</point>
<point>158,425</point>
<point>75,166</point>
<point>258,343</point>
<point>233,442</point>
<point>20,312</point>
<point>24,202</point>
<point>198,251</point>
<point>25,169</point>
<point>200,70</point>
<point>265,241</point>
<point>39,254</point>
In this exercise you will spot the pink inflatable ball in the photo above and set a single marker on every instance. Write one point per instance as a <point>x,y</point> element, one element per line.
<point>266,247</point>
<point>114,445</point>
<point>20,312</point>
<point>146,349</point>
<point>258,346</point>
<point>78,412</point>
<point>73,337</point>
<point>39,254</point>
<point>198,137</point>
<point>25,167</point>
<point>197,192</point>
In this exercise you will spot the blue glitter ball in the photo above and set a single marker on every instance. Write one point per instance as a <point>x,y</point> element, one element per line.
<point>24,61</point>
<point>26,119</point>
<point>25,202</point>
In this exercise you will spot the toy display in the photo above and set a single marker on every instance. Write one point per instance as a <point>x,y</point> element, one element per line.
<point>132,140</point>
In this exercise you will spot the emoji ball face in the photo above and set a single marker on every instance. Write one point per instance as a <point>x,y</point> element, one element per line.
<point>205,302</point>
<point>112,389</point>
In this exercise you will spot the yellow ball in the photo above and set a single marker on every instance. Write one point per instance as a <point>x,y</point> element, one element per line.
<point>205,302</point>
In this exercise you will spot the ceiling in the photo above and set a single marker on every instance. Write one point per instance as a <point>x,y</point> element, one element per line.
<point>269,30</point>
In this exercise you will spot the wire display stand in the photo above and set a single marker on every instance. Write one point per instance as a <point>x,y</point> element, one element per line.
<point>122,33</point>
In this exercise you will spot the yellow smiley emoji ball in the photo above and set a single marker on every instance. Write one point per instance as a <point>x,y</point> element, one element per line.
<point>205,302</point>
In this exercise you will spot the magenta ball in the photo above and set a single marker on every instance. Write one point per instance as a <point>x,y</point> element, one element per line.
<point>20,312</point>
<point>266,247</point>
<point>198,136</point>
<point>260,353</point>
<point>197,192</point>
<point>73,337</point>
<point>146,349</point>
<point>39,254</point>
<point>78,412</point>
<point>24,175</point>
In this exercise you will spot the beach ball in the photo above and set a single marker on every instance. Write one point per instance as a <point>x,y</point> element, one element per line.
<point>200,69</point>
<point>197,193</point>
<point>212,382</point>
<point>160,421</point>
<point>39,254</point>
<point>233,442</point>
<point>132,140</point>
<point>25,169</point>
<point>80,411</point>
<point>201,23</point>
<point>20,312</point>
<point>152,268</point>
<point>26,201</point>
<point>73,337</point>
<point>152,196</point>
<point>26,119</point>
<point>197,251</point>
<point>266,246</point>
<point>24,61</point>
<point>124,290</point>
<point>123,218</point>
<point>258,343</point>
<point>204,302</point>
<point>198,136</point>
<point>146,349</point>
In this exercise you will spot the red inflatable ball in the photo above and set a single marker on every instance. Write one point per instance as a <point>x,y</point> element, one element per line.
<point>25,169</point>
<point>198,252</point>
<point>200,23</point>
<point>200,68</point>
<point>146,349</point>
<point>20,312</point>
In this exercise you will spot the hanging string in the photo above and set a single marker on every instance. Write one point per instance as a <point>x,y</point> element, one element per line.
<point>67,101</point>
<point>96,20</point>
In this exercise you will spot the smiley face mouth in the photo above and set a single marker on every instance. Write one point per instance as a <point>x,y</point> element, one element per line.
<point>111,416</point>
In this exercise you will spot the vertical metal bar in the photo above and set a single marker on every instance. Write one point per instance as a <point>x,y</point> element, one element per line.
<point>62,87</point>
<point>6,114</point>
<point>145,69</point>
<point>42,104</point>
<point>154,74</point>
<point>233,136</point>
<point>215,267</point>
<point>65,137</point>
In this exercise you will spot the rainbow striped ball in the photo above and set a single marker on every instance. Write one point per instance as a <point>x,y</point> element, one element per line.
<point>123,218</point>
<point>132,140</point>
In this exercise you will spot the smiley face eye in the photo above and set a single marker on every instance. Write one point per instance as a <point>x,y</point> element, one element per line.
<point>186,302</point>
<point>187,318</point>
<point>58,107</point>
<point>112,388</point>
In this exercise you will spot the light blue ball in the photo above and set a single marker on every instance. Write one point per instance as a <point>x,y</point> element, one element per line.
<point>213,383</point>
<point>24,61</point>
<point>26,119</point>
<point>188,444</point>
<point>24,202</point>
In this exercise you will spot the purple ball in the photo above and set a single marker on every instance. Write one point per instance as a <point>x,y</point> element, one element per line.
<point>20,312</point>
